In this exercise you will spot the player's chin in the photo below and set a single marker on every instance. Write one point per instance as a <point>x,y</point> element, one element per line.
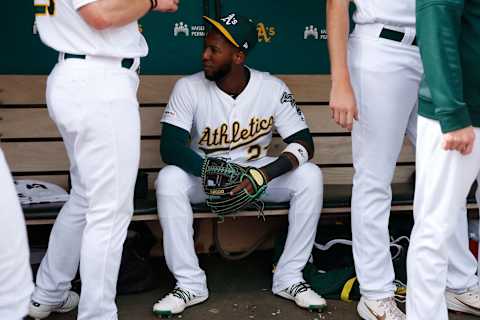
<point>209,74</point>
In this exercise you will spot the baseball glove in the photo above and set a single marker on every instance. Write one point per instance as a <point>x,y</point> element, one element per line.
<point>226,188</point>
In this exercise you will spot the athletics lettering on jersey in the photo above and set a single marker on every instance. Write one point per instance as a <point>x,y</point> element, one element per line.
<point>225,138</point>
<point>289,98</point>
<point>238,129</point>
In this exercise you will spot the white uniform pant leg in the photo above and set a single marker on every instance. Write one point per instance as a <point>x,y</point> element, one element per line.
<point>443,181</point>
<point>175,190</point>
<point>96,111</point>
<point>304,188</point>
<point>61,261</point>
<point>16,283</point>
<point>385,77</point>
<point>462,265</point>
<point>477,197</point>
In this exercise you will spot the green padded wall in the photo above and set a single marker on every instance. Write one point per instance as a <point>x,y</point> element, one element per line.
<point>292,38</point>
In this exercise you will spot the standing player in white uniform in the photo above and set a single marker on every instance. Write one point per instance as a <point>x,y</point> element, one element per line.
<point>448,153</point>
<point>229,111</point>
<point>16,284</point>
<point>92,98</point>
<point>376,75</point>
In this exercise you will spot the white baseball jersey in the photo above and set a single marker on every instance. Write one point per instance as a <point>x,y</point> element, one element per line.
<point>395,13</point>
<point>63,29</point>
<point>238,129</point>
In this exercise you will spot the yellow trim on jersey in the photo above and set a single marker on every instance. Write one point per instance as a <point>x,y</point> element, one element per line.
<point>222,30</point>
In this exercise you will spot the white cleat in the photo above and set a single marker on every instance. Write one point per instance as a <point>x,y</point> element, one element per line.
<point>176,301</point>
<point>467,302</point>
<point>304,297</point>
<point>40,311</point>
<point>383,309</point>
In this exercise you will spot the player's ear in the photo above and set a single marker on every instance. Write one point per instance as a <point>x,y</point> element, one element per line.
<point>239,57</point>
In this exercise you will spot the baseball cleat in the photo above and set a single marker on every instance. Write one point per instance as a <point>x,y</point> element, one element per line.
<point>466,302</point>
<point>176,301</point>
<point>39,311</point>
<point>382,309</point>
<point>304,297</point>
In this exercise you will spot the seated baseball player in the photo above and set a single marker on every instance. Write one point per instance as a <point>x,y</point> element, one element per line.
<point>220,121</point>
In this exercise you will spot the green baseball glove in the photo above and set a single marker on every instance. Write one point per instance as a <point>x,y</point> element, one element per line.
<point>231,187</point>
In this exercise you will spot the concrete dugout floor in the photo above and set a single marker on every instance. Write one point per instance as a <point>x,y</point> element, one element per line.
<point>238,290</point>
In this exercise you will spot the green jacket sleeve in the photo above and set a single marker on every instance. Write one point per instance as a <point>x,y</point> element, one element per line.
<point>175,150</point>
<point>438,31</point>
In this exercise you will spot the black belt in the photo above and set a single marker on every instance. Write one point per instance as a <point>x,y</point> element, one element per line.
<point>395,35</point>
<point>126,62</point>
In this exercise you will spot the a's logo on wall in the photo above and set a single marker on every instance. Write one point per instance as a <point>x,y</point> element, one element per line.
<point>312,32</point>
<point>183,29</point>
<point>265,33</point>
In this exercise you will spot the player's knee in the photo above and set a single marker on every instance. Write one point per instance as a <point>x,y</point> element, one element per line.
<point>311,177</point>
<point>171,180</point>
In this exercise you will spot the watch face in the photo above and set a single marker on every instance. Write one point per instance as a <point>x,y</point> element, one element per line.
<point>257,176</point>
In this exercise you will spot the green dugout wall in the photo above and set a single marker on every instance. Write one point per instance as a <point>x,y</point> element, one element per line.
<point>291,34</point>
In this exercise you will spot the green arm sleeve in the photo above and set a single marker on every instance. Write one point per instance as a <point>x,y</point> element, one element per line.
<point>175,150</point>
<point>438,31</point>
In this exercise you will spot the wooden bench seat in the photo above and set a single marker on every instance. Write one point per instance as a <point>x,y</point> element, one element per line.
<point>34,148</point>
<point>336,200</point>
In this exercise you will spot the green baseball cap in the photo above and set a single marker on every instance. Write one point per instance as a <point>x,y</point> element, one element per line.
<point>239,30</point>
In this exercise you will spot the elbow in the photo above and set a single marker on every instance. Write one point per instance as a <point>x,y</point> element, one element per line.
<point>311,153</point>
<point>95,16</point>
<point>100,24</point>
<point>310,146</point>
<point>164,153</point>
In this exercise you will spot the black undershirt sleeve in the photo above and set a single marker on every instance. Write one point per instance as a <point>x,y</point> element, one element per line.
<point>175,150</point>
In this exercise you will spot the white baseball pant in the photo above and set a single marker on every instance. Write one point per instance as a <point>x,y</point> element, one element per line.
<point>16,283</point>
<point>444,179</point>
<point>385,76</point>
<point>176,189</point>
<point>94,105</point>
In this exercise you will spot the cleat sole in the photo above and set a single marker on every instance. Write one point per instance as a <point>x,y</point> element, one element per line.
<point>317,308</point>
<point>163,314</point>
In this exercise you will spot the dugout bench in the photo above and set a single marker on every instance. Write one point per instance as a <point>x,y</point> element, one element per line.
<point>34,148</point>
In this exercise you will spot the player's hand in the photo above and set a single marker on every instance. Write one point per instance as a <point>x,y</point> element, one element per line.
<point>246,184</point>
<point>459,140</point>
<point>343,105</point>
<point>167,5</point>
